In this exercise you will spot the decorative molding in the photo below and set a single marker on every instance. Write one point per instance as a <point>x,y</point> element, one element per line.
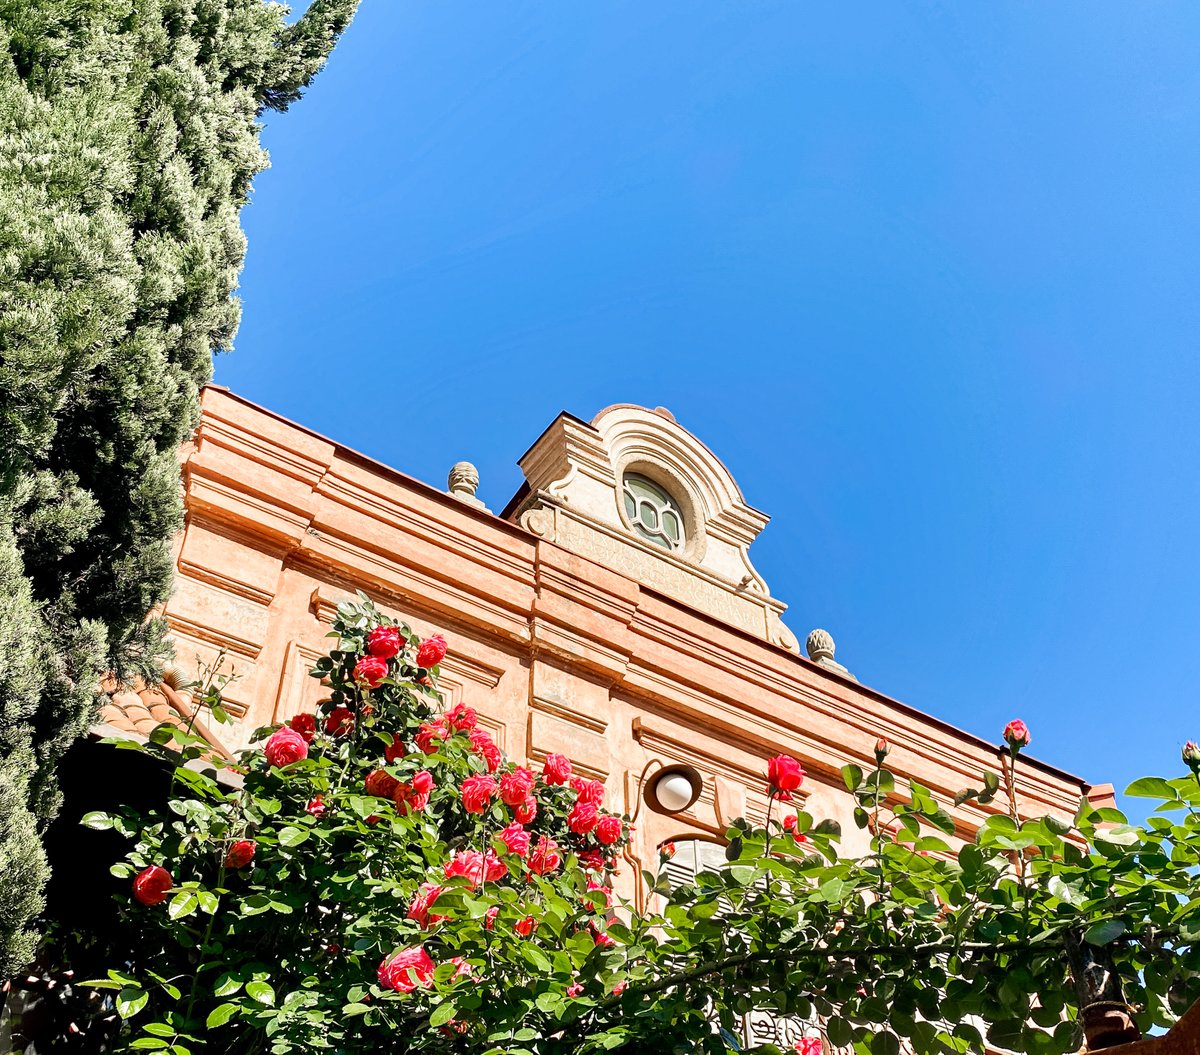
<point>585,721</point>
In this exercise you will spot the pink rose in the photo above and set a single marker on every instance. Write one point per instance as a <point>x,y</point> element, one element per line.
<point>482,745</point>
<point>152,885</point>
<point>476,867</point>
<point>339,721</point>
<point>582,818</point>
<point>544,857</point>
<point>305,725</point>
<point>461,718</point>
<point>1016,734</point>
<point>284,747</point>
<point>241,853</point>
<point>477,792</point>
<point>413,794</point>
<point>589,791</point>
<point>406,969</point>
<point>516,786</point>
<point>556,769</point>
<point>370,671</point>
<point>384,642</point>
<point>422,902</point>
<point>574,989</point>
<point>784,775</point>
<point>882,748</point>
<point>489,918</point>
<point>431,652</point>
<point>603,939</point>
<point>524,812</point>
<point>609,829</point>
<point>808,1046</point>
<point>380,782</point>
<point>515,838</point>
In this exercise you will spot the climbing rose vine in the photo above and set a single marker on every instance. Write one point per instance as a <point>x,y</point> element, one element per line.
<point>383,880</point>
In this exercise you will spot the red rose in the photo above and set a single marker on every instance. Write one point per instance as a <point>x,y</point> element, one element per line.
<point>609,829</point>
<point>790,822</point>
<point>666,851</point>
<point>515,838</point>
<point>592,860</point>
<point>489,919</point>
<point>589,791</point>
<point>516,786</point>
<point>544,857</point>
<point>582,818</point>
<point>384,642</point>
<point>603,939</point>
<point>526,926</point>
<point>482,745</point>
<point>403,971</point>
<point>1016,733</point>
<point>305,725</point>
<point>241,853</point>
<point>395,750</point>
<point>284,747</point>
<point>151,885</point>
<point>428,733</point>
<point>380,782</point>
<point>461,717</point>
<point>524,812</point>
<point>431,652</point>
<point>477,792</point>
<point>370,671</point>
<point>784,775</point>
<point>317,807</point>
<point>339,721</point>
<point>413,794</point>
<point>373,819</point>
<point>556,769</point>
<point>422,902</point>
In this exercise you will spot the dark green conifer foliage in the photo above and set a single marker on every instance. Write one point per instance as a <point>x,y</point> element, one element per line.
<point>129,137</point>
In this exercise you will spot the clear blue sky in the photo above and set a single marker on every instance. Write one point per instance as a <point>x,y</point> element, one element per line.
<point>924,275</point>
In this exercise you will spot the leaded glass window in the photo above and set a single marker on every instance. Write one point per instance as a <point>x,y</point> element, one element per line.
<point>653,513</point>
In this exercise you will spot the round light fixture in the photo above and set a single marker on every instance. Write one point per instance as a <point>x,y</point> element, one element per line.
<point>674,789</point>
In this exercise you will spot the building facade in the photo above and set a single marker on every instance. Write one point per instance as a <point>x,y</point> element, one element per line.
<point>610,613</point>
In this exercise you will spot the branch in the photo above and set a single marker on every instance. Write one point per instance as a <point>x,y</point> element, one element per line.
<point>302,50</point>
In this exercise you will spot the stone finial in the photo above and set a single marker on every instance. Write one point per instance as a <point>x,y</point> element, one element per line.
<point>820,649</point>
<point>463,482</point>
<point>820,646</point>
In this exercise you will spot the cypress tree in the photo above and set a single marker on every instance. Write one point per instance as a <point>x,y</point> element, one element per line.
<point>129,136</point>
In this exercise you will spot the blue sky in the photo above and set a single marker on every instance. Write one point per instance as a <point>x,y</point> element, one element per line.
<point>924,275</point>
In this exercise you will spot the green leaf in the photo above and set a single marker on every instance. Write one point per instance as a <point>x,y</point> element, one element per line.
<point>97,820</point>
<point>829,827</point>
<point>150,1044</point>
<point>227,984</point>
<point>182,904</point>
<point>551,1003</point>
<point>852,775</point>
<point>991,781</point>
<point>443,1013</point>
<point>130,1001</point>
<point>1152,788</point>
<point>885,1042</point>
<point>1103,933</point>
<point>840,1033</point>
<point>158,1029</point>
<point>220,1015</point>
<point>261,992</point>
<point>292,836</point>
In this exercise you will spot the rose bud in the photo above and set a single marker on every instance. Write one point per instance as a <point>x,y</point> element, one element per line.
<point>1191,756</point>
<point>882,749</point>
<point>1016,734</point>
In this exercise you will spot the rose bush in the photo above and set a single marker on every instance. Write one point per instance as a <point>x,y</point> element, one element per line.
<point>383,880</point>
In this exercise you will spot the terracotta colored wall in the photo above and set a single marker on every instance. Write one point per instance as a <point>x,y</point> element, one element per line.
<point>558,653</point>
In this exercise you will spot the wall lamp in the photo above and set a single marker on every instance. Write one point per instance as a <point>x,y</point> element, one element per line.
<point>672,789</point>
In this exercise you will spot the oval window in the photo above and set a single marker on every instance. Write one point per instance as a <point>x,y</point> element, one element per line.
<point>653,513</point>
